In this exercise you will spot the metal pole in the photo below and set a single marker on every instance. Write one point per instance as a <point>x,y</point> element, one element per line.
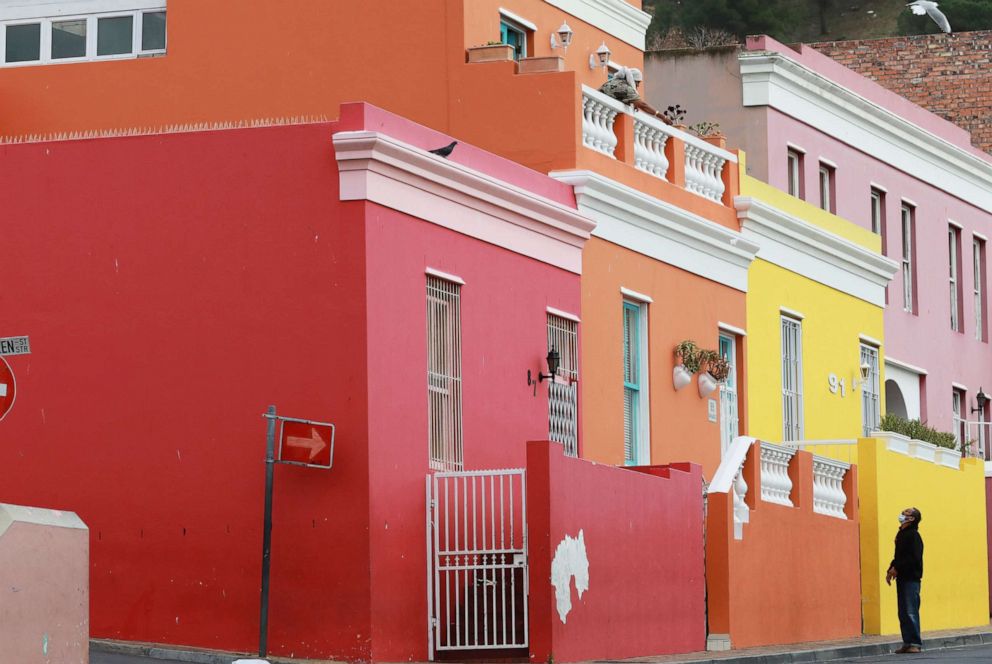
<point>270,450</point>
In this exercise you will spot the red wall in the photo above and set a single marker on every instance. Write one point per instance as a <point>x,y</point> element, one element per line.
<point>801,567</point>
<point>644,540</point>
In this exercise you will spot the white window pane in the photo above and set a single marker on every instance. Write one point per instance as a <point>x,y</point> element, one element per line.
<point>114,35</point>
<point>69,39</point>
<point>153,31</point>
<point>23,43</point>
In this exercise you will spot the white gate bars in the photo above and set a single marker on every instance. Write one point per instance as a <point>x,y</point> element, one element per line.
<point>477,560</point>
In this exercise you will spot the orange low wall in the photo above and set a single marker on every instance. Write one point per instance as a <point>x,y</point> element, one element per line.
<point>795,575</point>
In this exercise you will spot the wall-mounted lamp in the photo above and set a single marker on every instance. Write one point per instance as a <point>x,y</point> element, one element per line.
<point>865,369</point>
<point>564,37</point>
<point>601,57</point>
<point>554,359</point>
<point>981,399</point>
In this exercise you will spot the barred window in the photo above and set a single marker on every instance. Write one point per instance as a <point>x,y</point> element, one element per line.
<point>563,391</point>
<point>792,379</point>
<point>444,374</point>
<point>870,410</point>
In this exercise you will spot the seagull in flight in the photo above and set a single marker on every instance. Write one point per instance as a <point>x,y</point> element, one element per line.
<point>929,8</point>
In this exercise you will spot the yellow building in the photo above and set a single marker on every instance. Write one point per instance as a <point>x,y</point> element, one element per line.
<point>894,473</point>
<point>816,295</point>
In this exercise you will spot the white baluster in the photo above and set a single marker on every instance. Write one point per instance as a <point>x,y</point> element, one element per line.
<point>742,514</point>
<point>775,473</point>
<point>649,149</point>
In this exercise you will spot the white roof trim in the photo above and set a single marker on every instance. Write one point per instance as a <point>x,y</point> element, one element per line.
<point>15,10</point>
<point>615,17</point>
<point>387,171</point>
<point>563,314</point>
<point>516,18</point>
<point>816,254</point>
<point>871,341</point>
<point>661,230</point>
<point>791,313</point>
<point>634,295</point>
<point>733,329</point>
<point>959,386</point>
<point>772,79</point>
<point>912,368</point>
<point>444,275</point>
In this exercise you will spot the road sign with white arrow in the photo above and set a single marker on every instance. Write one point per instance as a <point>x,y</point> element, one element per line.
<point>8,388</point>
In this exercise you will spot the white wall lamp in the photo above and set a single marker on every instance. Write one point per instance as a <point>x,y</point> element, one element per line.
<point>564,37</point>
<point>865,371</point>
<point>601,57</point>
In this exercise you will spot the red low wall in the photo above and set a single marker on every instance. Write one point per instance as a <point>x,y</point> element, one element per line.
<point>795,575</point>
<point>640,538</point>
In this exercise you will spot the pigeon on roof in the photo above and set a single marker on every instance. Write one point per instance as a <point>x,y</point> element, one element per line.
<point>929,8</point>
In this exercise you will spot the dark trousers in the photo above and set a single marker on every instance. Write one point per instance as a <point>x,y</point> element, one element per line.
<point>908,597</point>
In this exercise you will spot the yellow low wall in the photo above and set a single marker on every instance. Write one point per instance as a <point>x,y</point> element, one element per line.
<point>955,559</point>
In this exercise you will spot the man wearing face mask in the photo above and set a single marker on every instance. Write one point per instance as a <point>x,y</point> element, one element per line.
<point>907,569</point>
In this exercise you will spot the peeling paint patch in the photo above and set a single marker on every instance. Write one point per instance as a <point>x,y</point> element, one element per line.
<point>44,645</point>
<point>570,562</point>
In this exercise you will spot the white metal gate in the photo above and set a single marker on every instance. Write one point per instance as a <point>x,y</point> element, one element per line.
<point>477,560</point>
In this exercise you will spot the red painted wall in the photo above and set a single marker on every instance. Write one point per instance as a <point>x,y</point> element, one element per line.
<point>799,566</point>
<point>226,275</point>
<point>644,540</point>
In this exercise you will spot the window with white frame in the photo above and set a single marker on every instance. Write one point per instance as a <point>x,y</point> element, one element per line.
<point>444,374</point>
<point>954,275</point>
<point>878,213</point>
<point>795,173</point>
<point>81,31</point>
<point>870,408</point>
<point>515,32</point>
<point>827,187</point>
<point>960,422</point>
<point>978,287</point>
<point>792,378</point>
<point>562,390</point>
<point>636,414</point>
<point>729,418</point>
<point>908,214</point>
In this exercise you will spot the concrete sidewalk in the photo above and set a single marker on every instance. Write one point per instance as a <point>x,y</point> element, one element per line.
<point>799,653</point>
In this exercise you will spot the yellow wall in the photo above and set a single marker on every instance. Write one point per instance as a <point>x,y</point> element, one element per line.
<point>955,563</point>
<point>830,334</point>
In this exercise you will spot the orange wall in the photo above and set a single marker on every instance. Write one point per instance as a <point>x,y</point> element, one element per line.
<point>792,564</point>
<point>685,306</point>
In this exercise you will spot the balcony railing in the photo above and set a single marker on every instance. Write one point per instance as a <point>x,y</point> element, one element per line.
<point>828,486</point>
<point>655,146</point>
<point>776,485</point>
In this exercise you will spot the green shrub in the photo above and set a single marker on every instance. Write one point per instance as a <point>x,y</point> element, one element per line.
<point>917,431</point>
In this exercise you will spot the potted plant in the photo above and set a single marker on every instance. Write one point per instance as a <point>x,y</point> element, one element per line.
<point>675,114</point>
<point>491,51</point>
<point>717,370</point>
<point>686,363</point>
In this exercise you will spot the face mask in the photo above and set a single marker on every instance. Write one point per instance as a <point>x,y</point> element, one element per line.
<point>902,518</point>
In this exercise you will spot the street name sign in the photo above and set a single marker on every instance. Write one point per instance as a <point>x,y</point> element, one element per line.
<point>15,346</point>
<point>8,388</point>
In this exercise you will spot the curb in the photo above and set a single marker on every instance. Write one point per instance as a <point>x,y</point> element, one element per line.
<point>174,653</point>
<point>832,653</point>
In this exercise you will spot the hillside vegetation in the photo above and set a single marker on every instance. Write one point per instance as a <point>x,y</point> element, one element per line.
<point>803,20</point>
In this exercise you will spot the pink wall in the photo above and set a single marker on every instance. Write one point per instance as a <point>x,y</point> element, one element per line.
<point>643,538</point>
<point>226,276</point>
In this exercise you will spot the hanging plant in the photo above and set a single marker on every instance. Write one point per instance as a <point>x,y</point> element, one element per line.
<point>716,365</point>
<point>688,352</point>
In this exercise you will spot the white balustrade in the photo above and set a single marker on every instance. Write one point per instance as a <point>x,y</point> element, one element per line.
<point>828,487</point>
<point>776,485</point>
<point>742,513</point>
<point>704,170</point>
<point>650,137</point>
<point>599,113</point>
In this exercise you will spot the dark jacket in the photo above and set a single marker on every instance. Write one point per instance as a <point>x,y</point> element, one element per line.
<point>908,560</point>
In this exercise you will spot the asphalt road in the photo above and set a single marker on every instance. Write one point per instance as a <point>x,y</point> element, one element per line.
<point>967,655</point>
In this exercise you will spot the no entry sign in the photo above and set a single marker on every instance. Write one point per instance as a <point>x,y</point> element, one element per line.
<point>8,388</point>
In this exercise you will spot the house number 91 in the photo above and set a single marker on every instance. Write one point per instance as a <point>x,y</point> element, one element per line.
<point>836,383</point>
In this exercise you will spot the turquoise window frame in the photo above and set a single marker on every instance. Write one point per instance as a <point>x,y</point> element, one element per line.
<point>632,380</point>
<point>515,36</point>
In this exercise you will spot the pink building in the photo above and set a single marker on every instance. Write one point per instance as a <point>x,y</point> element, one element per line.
<point>828,135</point>
<point>341,272</point>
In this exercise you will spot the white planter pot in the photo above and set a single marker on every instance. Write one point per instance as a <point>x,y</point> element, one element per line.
<point>680,377</point>
<point>707,384</point>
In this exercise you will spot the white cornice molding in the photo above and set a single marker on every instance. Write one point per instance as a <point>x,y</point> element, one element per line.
<point>14,10</point>
<point>816,254</point>
<point>387,171</point>
<point>615,17</point>
<point>771,79</point>
<point>899,364</point>
<point>660,230</point>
